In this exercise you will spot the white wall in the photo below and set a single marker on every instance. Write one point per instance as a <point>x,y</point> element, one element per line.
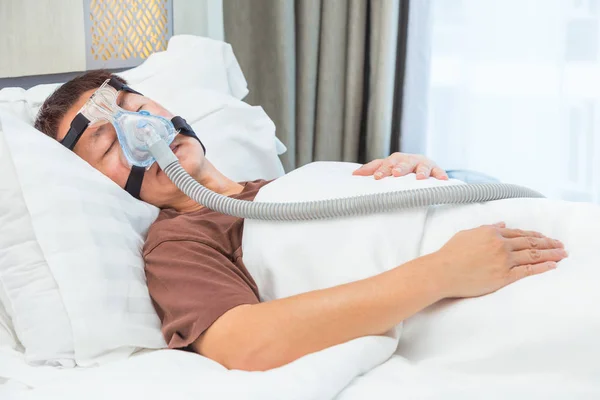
<point>199,17</point>
<point>39,37</point>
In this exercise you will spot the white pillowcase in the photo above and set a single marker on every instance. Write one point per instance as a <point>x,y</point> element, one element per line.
<point>191,61</point>
<point>8,337</point>
<point>81,276</point>
<point>27,289</point>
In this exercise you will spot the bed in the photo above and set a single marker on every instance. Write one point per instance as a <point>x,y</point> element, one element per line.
<point>61,338</point>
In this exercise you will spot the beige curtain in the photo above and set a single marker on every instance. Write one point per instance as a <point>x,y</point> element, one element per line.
<point>325,71</point>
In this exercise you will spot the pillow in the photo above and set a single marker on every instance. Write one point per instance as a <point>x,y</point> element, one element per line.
<point>81,274</point>
<point>14,100</point>
<point>8,337</point>
<point>192,61</point>
<point>24,276</point>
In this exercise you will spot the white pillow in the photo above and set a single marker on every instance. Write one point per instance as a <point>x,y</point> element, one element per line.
<point>89,232</point>
<point>192,61</point>
<point>27,289</point>
<point>8,337</point>
<point>14,100</point>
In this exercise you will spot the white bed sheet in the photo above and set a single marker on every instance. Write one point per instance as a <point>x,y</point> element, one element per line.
<point>160,374</point>
<point>178,375</point>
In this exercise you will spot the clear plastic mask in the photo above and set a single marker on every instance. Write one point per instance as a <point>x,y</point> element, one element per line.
<point>135,130</point>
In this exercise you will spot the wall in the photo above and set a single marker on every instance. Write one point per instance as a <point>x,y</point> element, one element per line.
<point>199,17</point>
<point>43,41</point>
<point>41,37</point>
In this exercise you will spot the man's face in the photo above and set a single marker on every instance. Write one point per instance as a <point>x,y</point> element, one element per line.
<point>100,147</point>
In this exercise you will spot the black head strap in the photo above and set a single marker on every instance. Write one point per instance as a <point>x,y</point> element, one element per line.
<point>185,129</point>
<point>118,85</point>
<point>78,125</point>
<point>134,182</point>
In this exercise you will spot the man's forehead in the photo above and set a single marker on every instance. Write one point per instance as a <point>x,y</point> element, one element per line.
<point>71,113</point>
<point>124,98</point>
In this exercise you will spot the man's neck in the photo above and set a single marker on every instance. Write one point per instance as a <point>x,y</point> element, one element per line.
<point>214,181</point>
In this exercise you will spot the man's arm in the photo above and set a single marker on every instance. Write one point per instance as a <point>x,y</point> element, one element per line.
<point>274,333</point>
<point>475,262</point>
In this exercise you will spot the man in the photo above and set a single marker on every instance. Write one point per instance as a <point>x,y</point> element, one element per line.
<point>205,297</point>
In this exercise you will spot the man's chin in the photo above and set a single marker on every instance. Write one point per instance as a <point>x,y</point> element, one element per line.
<point>190,166</point>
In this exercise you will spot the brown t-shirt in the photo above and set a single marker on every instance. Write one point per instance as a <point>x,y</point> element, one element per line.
<point>195,271</point>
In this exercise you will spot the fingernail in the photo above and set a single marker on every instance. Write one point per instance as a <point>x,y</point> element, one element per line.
<point>552,265</point>
<point>558,243</point>
<point>563,253</point>
<point>378,174</point>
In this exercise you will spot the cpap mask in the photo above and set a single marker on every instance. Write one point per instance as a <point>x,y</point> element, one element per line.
<point>133,128</point>
<point>136,131</point>
<point>145,139</point>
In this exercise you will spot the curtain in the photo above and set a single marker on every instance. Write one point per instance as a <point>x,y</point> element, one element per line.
<point>510,88</point>
<point>325,71</point>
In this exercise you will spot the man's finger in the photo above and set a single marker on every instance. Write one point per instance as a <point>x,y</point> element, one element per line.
<point>536,256</point>
<point>369,168</point>
<point>530,242</point>
<point>523,271</point>
<point>496,225</point>
<point>405,167</point>
<point>384,170</point>
<point>439,173</point>
<point>514,233</point>
<point>423,171</point>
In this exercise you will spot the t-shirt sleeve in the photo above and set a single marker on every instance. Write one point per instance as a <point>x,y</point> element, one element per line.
<point>192,285</point>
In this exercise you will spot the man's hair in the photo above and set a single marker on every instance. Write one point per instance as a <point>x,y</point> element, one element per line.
<point>63,98</point>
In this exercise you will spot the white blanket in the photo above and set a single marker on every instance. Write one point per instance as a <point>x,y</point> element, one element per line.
<point>542,331</point>
<point>172,374</point>
<point>534,339</point>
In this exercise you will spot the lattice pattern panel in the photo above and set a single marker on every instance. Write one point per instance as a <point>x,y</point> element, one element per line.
<point>123,33</point>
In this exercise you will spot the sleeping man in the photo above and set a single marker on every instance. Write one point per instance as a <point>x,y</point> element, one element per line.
<point>203,293</point>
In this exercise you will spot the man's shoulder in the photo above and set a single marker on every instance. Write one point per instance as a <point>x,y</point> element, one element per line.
<point>172,225</point>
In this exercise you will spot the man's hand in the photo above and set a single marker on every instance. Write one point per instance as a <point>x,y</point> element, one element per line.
<point>400,164</point>
<point>482,260</point>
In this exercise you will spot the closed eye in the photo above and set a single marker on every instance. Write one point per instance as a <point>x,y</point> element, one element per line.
<point>110,147</point>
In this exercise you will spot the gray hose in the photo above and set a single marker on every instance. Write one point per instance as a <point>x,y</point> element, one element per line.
<point>343,207</point>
